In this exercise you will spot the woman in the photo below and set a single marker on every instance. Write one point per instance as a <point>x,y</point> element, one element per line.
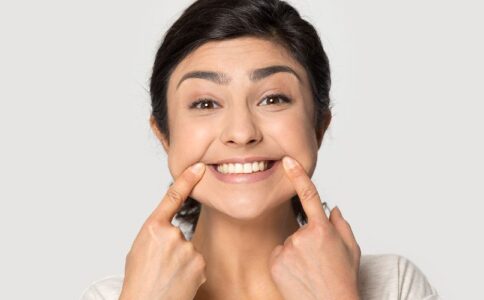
<point>240,98</point>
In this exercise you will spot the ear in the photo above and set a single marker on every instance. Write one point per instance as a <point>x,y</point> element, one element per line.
<point>159,135</point>
<point>322,129</point>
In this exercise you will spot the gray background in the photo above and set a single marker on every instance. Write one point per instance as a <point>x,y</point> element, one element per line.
<point>80,169</point>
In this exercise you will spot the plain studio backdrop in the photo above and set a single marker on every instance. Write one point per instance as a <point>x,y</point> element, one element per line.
<point>81,170</point>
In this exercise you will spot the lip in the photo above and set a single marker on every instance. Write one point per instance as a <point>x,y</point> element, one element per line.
<point>244,178</point>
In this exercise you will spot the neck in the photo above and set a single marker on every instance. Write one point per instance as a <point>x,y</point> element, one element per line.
<point>237,251</point>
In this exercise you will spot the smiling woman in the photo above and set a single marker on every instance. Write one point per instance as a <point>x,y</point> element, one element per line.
<point>240,98</point>
<point>257,113</point>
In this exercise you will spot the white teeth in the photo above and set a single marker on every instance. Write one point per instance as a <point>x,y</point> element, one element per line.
<point>255,166</point>
<point>244,168</point>
<point>247,168</point>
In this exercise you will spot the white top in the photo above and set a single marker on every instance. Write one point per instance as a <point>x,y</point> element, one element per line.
<point>381,277</point>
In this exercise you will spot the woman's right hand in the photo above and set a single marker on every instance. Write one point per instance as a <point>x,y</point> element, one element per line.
<point>162,264</point>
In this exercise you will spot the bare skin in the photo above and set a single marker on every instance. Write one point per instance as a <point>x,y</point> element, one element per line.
<point>242,227</point>
<point>161,264</point>
<point>239,259</point>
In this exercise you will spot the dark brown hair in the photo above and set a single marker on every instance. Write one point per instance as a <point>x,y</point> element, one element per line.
<point>215,20</point>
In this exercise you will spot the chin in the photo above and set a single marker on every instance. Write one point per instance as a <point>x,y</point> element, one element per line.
<point>242,204</point>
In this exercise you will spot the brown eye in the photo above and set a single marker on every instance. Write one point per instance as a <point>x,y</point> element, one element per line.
<point>276,99</point>
<point>203,104</point>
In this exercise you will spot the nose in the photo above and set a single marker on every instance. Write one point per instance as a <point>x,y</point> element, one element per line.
<point>240,128</point>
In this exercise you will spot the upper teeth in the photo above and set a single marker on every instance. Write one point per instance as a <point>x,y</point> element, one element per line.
<point>242,168</point>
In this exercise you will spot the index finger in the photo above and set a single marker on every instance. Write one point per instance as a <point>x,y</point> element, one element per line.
<point>306,190</point>
<point>177,193</point>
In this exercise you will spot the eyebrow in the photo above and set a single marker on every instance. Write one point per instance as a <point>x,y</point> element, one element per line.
<point>254,75</point>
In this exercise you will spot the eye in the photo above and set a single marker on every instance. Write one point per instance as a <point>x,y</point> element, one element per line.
<point>204,103</point>
<point>276,99</point>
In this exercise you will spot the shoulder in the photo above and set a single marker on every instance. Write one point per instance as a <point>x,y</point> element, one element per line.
<point>393,276</point>
<point>106,288</point>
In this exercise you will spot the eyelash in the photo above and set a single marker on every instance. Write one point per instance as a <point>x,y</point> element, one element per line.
<point>284,98</point>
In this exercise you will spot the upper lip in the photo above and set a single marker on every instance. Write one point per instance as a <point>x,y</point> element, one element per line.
<point>243,159</point>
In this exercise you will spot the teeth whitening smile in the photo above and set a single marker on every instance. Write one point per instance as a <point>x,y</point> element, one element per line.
<point>249,172</point>
<point>245,168</point>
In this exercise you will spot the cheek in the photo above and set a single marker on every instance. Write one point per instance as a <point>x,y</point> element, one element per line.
<point>297,138</point>
<point>189,142</point>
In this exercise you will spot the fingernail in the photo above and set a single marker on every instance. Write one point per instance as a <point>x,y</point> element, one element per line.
<point>288,162</point>
<point>197,168</point>
<point>339,211</point>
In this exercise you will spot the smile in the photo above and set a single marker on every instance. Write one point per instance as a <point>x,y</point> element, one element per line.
<point>244,172</point>
<point>244,168</point>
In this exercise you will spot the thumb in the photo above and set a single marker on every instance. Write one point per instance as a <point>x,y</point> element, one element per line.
<point>275,252</point>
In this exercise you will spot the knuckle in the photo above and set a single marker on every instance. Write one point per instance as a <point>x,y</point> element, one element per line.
<point>166,234</point>
<point>152,225</point>
<point>326,232</point>
<point>199,261</point>
<point>202,277</point>
<point>288,246</point>
<point>151,229</point>
<point>296,241</point>
<point>188,248</point>
<point>317,229</point>
<point>309,192</point>
<point>172,233</point>
<point>276,269</point>
<point>174,196</point>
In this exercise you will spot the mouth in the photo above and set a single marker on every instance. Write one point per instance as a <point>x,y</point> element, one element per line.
<point>244,172</point>
<point>244,168</point>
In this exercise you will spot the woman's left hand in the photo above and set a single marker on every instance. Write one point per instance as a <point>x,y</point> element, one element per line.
<point>321,259</point>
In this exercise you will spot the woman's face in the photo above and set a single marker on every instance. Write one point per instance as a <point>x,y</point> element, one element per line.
<point>238,122</point>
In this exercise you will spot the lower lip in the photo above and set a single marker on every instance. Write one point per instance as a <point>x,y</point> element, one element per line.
<point>244,178</point>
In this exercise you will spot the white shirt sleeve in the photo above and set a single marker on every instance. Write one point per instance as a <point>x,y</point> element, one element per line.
<point>413,284</point>
<point>433,297</point>
<point>107,288</point>
<point>393,277</point>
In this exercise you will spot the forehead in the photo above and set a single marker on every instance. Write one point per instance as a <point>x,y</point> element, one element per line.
<point>236,57</point>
